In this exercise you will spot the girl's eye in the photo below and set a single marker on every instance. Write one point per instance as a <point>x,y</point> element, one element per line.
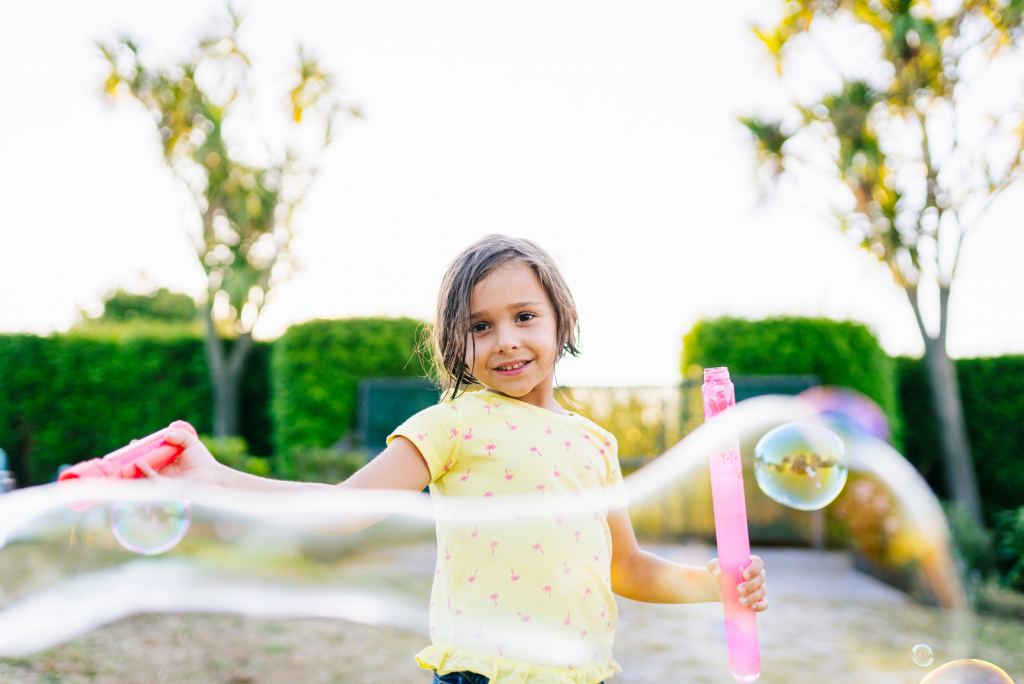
<point>479,327</point>
<point>523,317</point>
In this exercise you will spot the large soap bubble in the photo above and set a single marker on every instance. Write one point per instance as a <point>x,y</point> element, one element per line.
<point>801,465</point>
<point>849,412</point>
<point>150,527</point>
<point>967,672</point>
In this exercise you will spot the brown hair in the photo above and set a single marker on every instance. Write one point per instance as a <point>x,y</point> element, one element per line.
<point>447,339</point>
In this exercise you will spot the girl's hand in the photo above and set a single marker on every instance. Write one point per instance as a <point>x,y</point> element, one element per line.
<point>195,463</point>
<point>753,590</point>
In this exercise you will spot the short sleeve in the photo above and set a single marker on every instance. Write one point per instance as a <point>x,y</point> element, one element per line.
<point>616,489</point>
<point>435,433</point>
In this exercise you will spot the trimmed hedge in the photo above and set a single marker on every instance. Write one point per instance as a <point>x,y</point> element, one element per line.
<point>316,368</point>
<point>71,397</point>
<point>839,353</point>
<point>992,390</point>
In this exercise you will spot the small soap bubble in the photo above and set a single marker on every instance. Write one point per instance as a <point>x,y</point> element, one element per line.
<point>150,527</point>
<point>923,655</point>
<point>967,672</point>
<point>801,465</point>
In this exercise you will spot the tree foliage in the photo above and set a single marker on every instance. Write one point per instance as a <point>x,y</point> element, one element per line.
<point>247,208</point>
<point>897,141</point>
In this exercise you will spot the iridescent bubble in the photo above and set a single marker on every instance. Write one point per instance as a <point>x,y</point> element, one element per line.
<point>923,655</point>
<point>967,672</point>
<point>150,527</point>
<point>801,465</point>
<point>849,412</point>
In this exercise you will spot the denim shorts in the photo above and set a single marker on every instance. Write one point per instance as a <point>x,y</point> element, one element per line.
<point>460,678</point>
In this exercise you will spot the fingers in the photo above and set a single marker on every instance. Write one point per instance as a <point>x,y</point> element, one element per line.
<point>714,568</point>
<point>756,566</point>
<point>182,438</point>
<point>148,471</point>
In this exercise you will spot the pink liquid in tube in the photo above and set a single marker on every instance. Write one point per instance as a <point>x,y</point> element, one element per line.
<point>731,525</point>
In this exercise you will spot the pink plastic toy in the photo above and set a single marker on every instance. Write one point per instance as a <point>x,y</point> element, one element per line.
<point>731,526</point>
<point>122,463</point>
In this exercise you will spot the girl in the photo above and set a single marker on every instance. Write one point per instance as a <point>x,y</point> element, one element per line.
<point>519,595</point>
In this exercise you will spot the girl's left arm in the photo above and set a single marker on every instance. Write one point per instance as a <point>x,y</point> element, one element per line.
<point>642,576</point>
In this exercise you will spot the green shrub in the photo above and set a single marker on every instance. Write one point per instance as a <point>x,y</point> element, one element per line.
<point>234,453</point>
<point>1010,547</point>
<point>316,368</point>
<point>317,464</point>
<point>67,398</point>
<point>839,353</point>
<point>993,401</point>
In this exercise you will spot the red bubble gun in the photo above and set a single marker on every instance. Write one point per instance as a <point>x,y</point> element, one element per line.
<point>122,463</point>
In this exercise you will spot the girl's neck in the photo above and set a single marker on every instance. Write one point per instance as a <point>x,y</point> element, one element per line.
<point>541,396</point>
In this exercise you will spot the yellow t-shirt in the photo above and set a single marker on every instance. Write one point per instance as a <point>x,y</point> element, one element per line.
<point>519,595</point>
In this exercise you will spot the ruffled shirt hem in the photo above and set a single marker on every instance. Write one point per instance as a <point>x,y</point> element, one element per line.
<point>447,659</point>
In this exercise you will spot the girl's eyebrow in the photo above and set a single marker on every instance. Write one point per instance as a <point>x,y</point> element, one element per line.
<point>518,305</point>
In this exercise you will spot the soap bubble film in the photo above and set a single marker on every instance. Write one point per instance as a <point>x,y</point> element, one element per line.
<point>967,672</point>
<point>267,588</point>
<point>150,527</point>
<point>801,465</point>
<point>923,655</point>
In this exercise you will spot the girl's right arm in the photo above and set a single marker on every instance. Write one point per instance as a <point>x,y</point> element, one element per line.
<point>400,466</point>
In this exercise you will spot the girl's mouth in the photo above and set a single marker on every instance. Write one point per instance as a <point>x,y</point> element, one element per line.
<point>513,368</point>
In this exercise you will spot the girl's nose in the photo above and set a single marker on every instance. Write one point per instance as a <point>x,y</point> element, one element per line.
<point>507,339</point>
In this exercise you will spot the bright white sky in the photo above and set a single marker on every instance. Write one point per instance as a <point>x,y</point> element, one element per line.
<point>604,130</point>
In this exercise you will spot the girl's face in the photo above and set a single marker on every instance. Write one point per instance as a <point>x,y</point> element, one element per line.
<point>511,345</point>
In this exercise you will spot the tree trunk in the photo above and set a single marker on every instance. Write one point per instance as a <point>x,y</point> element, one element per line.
<point>956,450</point>
<point>226,375</point>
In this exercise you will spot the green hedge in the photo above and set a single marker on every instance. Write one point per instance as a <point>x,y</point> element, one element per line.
<point>839,353</point>
<point>992,390</point>
<point>67,398</point>
<point>316,368</point>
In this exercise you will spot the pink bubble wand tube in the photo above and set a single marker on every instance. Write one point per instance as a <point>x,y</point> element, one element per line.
<point>731,525</point>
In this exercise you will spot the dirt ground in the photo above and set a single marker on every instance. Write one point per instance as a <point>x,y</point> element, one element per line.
<point>827,624</point>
